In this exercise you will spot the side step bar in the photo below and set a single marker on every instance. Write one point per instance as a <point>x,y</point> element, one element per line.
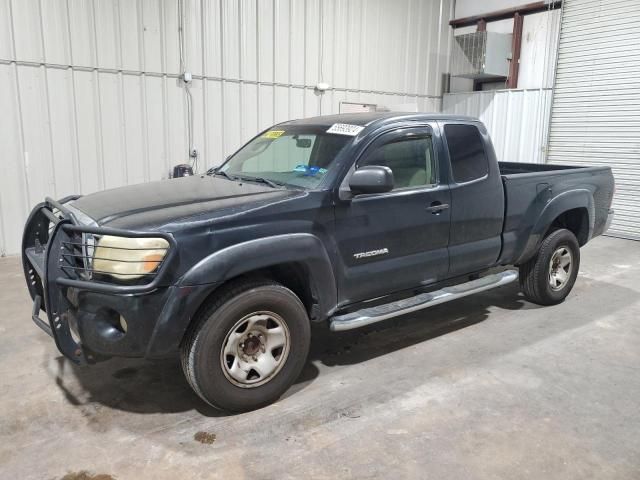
<point>370,315</point>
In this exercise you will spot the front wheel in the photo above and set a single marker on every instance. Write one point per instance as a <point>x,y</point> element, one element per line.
<point>548,278</point>
<point>248,346</point>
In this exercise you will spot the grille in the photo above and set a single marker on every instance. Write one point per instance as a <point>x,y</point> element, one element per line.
<point>76,263</point>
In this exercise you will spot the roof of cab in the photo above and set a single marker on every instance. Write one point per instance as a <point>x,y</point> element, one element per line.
<point>366,119</point>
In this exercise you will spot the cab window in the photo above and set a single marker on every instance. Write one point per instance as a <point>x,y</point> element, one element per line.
<point>411,160</point>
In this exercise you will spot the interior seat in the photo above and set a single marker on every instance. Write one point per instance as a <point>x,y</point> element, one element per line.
<point>407,160</point>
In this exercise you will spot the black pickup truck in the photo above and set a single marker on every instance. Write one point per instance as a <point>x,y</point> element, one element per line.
<point>345,219</point>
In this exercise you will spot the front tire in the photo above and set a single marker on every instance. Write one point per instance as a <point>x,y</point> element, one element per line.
<point>248,346</point>
<point>548,278</point>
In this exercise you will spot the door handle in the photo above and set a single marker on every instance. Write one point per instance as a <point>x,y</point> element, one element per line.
<point>437,207</point>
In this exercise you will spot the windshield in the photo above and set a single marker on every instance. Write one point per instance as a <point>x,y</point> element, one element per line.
<point>297,155</point>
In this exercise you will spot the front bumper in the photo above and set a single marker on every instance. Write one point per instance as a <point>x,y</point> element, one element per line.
<point>84,316</point>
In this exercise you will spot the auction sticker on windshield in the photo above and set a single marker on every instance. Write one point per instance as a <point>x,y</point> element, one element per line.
<point>273,134</point>
<point>345,129</point>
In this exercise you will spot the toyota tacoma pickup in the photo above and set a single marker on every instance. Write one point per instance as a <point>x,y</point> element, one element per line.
<point>346,219</point>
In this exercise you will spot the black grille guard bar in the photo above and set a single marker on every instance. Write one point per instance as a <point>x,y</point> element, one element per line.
<point>59,204</point>
<point>42,258</point>
<point>37,242</point>
<point>112,288</point>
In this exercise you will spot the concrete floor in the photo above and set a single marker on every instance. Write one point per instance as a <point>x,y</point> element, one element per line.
<point>488,387</point>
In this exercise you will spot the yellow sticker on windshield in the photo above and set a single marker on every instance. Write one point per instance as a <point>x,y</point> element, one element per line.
<point>272,134</point>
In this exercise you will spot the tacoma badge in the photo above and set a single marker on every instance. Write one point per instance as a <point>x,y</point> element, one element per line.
<point>371,253</point>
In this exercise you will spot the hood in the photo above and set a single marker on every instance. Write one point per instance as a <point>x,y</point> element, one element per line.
<point>158,203</point>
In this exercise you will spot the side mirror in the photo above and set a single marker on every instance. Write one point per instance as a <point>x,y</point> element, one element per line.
<point>371,179</point>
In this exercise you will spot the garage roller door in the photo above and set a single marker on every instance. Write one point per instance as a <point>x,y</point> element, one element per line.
<point>595,118</point>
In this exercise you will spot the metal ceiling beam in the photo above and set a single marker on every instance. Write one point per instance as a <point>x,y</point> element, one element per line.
<point>525,9</point>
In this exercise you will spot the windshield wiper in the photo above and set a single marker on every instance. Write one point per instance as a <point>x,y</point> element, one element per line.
<point>222,174</point>
<point>266,181</point>
<point>235,178</point>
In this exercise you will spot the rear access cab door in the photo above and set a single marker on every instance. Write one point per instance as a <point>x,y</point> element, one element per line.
<point>477,197</point>
<point>397,240</point>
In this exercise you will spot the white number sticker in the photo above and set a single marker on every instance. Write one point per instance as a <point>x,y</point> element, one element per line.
<point>345,129</point>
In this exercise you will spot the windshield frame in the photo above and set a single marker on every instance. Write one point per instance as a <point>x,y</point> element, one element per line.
<point>324,183</point>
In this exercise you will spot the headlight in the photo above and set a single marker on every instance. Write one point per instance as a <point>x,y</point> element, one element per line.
<point>127,258</point>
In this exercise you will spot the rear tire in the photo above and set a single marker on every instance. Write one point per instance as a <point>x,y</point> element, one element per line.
<point>247,346</point>
<point>548,277</point>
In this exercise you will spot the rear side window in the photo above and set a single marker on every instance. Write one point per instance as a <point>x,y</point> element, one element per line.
<point>466,151</point>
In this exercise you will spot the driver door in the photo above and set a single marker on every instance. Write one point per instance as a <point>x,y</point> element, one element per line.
<point>397,240</point>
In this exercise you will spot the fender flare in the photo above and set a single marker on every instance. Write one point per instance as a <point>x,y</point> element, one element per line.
<point>565,201</point>
<point>245,257</point>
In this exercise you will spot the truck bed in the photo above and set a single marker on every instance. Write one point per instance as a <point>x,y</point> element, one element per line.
<point>514,168</point>
<point>533,192</point>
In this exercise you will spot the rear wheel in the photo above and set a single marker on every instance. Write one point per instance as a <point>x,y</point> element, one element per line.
<point>248,346</point>
<point>548,278</point>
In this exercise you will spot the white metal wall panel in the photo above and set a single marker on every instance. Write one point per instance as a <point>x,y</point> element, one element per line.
<point>516,119</point>
<point>595,117</point>
<point>91,99</point>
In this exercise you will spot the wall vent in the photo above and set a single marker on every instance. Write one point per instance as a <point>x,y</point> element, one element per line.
<point>481,55</point>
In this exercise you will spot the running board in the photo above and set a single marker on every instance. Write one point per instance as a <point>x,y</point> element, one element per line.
<point>370,315</point>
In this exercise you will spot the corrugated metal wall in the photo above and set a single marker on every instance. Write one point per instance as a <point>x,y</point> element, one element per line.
<point>91,98</point>
<point>517,120</point>
<point>595,119</point>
